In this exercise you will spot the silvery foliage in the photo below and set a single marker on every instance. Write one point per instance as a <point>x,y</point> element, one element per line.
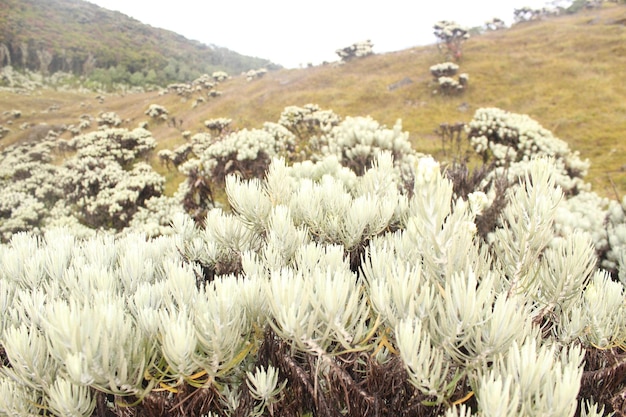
<point>27,180</point>
<point>157,111</point>
<point>356,50</point>
<point>511,140</point>
<point>357,140</point>
<point>102,182</point>
<point>101,314</point>
<point>155,217</point>
<point>449,85</point>
<point>99,186</point>
<point>309,124</point>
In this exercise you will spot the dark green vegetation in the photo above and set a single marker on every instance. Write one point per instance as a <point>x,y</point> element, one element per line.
<point>84,39</point>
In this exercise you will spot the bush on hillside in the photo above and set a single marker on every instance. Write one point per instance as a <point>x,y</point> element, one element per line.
<point>445,84</point>
<point>157,111</point>
<point>450,37</point>
<point>510,140</point>
<point>445,69</point>
<point>356,50</point>
<point>100,186</point>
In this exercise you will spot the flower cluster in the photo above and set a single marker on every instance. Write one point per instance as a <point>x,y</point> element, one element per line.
<point>357,140</point>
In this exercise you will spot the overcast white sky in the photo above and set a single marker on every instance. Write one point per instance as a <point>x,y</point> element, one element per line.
<point>295,32</point>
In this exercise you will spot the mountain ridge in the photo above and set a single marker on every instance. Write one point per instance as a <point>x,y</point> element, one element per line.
<point>79,37</point>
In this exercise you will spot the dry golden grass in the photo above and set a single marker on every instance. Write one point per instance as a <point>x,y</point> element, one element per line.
<point>568,73</point>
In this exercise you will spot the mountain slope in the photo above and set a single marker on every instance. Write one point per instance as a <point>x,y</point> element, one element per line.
<point>77,36</point>
<point>566,72</point>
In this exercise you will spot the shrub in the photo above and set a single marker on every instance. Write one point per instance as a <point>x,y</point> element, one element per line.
<point>108,120</point>
<point>445,69</point>
<point>265,308</point>
<point>309,123</point>
<point>356,50</point>
<point>218,126</point>
<point>511,140</point>
<point>219,76</point>
<point>254,74</point>
<point>156,111</point>
<point>446,85</point>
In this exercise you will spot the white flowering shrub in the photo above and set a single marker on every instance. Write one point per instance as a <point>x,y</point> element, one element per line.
<point>247,152</point>
<point>308,121</point>
<point>356,50</point>
<point>511,140</point>
<point>253,74</point>
<point>357,140</point>
<point>219,76</point>
<point>108,120</point>
<point>445,69</point>
<point>265,310</point>
<point>29,187</point>
<point>120,145</point>
<point>100,185</point>
<point>101,181</point>
<point>157,111</point>
<point>177,156</point>
<point>445,84</point>
<point>218,126</point>
<point>450,37</point>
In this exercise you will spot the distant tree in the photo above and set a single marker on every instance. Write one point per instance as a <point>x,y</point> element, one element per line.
<point>451,37</point>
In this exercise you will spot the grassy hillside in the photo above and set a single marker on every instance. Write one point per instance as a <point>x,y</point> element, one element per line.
<point>566,72</point>
<point>79,37</point>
